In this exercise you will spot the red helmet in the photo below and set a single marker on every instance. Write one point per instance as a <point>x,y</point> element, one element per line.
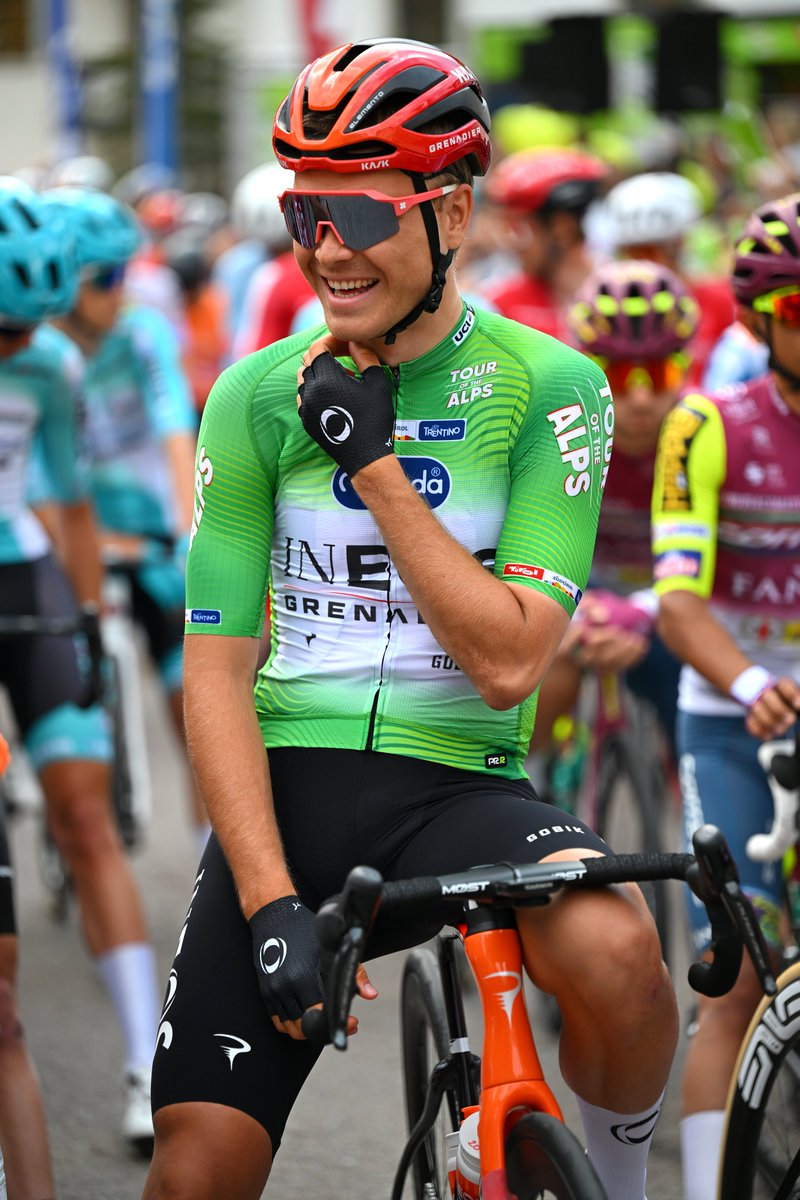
<point>374,102</point>
<point>546,180</point>
<point>767,255</point>
<point>633,309</point>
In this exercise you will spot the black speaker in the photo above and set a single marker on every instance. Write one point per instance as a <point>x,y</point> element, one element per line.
<point>568,68</point>
<point>688,63</point>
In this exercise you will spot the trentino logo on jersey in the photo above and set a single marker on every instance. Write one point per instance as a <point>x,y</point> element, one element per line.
<point>445,430</point>
<point>559,582</point>
<point>203,616</point>
<point>427,476</point>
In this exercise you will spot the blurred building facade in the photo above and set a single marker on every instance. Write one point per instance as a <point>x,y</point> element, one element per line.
<point>238,58</point>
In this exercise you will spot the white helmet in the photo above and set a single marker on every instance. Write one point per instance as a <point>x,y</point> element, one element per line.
<point>652,208</point>
<point>85,171</point>
<point>255,212</point>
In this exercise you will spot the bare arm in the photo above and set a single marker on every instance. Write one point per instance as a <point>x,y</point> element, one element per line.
<point>179,448</point>
<point>230,763</point>
<point>691,631</point>
<point>80,548</point>
<point>503,636</point>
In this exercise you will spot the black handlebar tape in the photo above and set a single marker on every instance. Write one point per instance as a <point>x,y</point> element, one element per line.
<point>314,1025</point>
<point>633,868</point>
<point>786,767</point>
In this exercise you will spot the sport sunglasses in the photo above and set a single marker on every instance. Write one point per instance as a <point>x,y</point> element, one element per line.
<point>783,304</point>
<point>657,374</point>
<point>104,279</point>
<point>358,219</point>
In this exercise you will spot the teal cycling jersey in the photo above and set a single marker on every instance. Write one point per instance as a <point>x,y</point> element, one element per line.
<point>137,395</point>
<point>42,433</point>
<point>505,432</point>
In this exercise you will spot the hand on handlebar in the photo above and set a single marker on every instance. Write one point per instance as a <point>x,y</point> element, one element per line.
<point>297,1029</point>
<point>775,710</point>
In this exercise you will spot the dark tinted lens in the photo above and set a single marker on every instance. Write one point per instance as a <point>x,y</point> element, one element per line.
<point>300,219</point>
<point>359,221</point>
<point>787,309</point>
<point>106,278</point>
<point>655,373</point>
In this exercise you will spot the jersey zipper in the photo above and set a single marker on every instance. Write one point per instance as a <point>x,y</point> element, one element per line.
<point>395,370</point>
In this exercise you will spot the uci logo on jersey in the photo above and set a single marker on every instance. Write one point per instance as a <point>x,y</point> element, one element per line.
<point>427,476</point>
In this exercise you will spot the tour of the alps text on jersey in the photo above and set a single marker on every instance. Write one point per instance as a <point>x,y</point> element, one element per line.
<point>584,436</point>
<point>203,478</point>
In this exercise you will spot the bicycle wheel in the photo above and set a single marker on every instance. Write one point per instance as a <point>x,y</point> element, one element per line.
<point>630,799</point>
<point>545,1161</point>
<point>761,1147</point>
<point>425,1041</point>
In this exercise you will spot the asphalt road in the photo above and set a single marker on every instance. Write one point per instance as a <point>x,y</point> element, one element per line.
<point>347,1129</point>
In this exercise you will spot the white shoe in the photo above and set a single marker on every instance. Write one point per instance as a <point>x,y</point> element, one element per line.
<point>137,1124</point>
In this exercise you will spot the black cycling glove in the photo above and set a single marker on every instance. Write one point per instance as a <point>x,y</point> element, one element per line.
<point>286,954</point>
<point>351,419</point>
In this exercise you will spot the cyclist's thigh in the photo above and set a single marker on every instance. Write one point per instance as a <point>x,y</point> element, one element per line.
<point>40,672</point>
<point>464,819</point>
<point>157,601</point>
<point>216,1043</point>
<point>723,784</point>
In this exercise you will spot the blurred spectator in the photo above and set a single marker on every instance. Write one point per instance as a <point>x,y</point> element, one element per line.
<point>542,197</point>
<point>204,309</point>
<point>85,170</point>
<point>651,216</point>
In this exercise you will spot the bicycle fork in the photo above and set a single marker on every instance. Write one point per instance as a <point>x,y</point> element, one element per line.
<point>512,1080</point>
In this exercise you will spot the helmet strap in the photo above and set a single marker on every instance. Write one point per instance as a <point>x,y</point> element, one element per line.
<point>441,262</point>
<point>773,363</point>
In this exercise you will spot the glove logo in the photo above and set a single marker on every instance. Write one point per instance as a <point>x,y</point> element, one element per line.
<point>271,947</point>
<point>337,424</point>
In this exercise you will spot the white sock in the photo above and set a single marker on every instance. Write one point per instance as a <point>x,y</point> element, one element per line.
<point>129,974</point>
<point>618,1145</point>
<point>701,1144</point>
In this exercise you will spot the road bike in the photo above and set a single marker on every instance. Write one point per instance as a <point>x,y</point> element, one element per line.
<point>761,1146</point>
<point>525,1148</point>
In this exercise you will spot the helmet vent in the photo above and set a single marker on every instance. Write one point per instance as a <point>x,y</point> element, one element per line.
<point>26,214</point>
<point>23,274</point>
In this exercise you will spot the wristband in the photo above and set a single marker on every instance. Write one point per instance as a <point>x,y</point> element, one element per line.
<point>750,684</point>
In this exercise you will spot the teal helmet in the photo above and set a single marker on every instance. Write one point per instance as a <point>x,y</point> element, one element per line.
<point>106,230</point>
<point>38,266</point>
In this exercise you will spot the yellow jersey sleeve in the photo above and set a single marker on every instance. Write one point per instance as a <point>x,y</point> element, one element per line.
<point>690,470</point>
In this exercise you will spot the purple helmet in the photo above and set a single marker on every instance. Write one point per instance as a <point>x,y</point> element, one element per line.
<point>767,255</point>
<point>633,309</point>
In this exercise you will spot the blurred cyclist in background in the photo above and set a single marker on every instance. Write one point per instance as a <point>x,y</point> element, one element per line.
<point>141,431</point>
<point>257,222</point>
<point>637,320</point>
<point>725,538</point>
<point>65,734</point>
<point>277,289</point>
<point>651,215</point>
<point>542,197</point>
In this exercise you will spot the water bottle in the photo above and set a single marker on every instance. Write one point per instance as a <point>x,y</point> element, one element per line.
<point>468,1160</point>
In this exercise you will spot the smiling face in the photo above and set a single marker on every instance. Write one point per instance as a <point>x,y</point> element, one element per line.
<point>365,292</point>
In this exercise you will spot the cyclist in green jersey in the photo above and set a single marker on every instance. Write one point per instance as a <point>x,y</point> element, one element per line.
<point>424,524</point>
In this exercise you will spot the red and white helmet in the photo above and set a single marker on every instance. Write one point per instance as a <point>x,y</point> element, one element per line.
<point>546,180</point>
<point>370,105</point>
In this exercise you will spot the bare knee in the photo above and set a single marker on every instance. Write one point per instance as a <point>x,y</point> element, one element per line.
<point>207,1152</point>
<point>82,826</point>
